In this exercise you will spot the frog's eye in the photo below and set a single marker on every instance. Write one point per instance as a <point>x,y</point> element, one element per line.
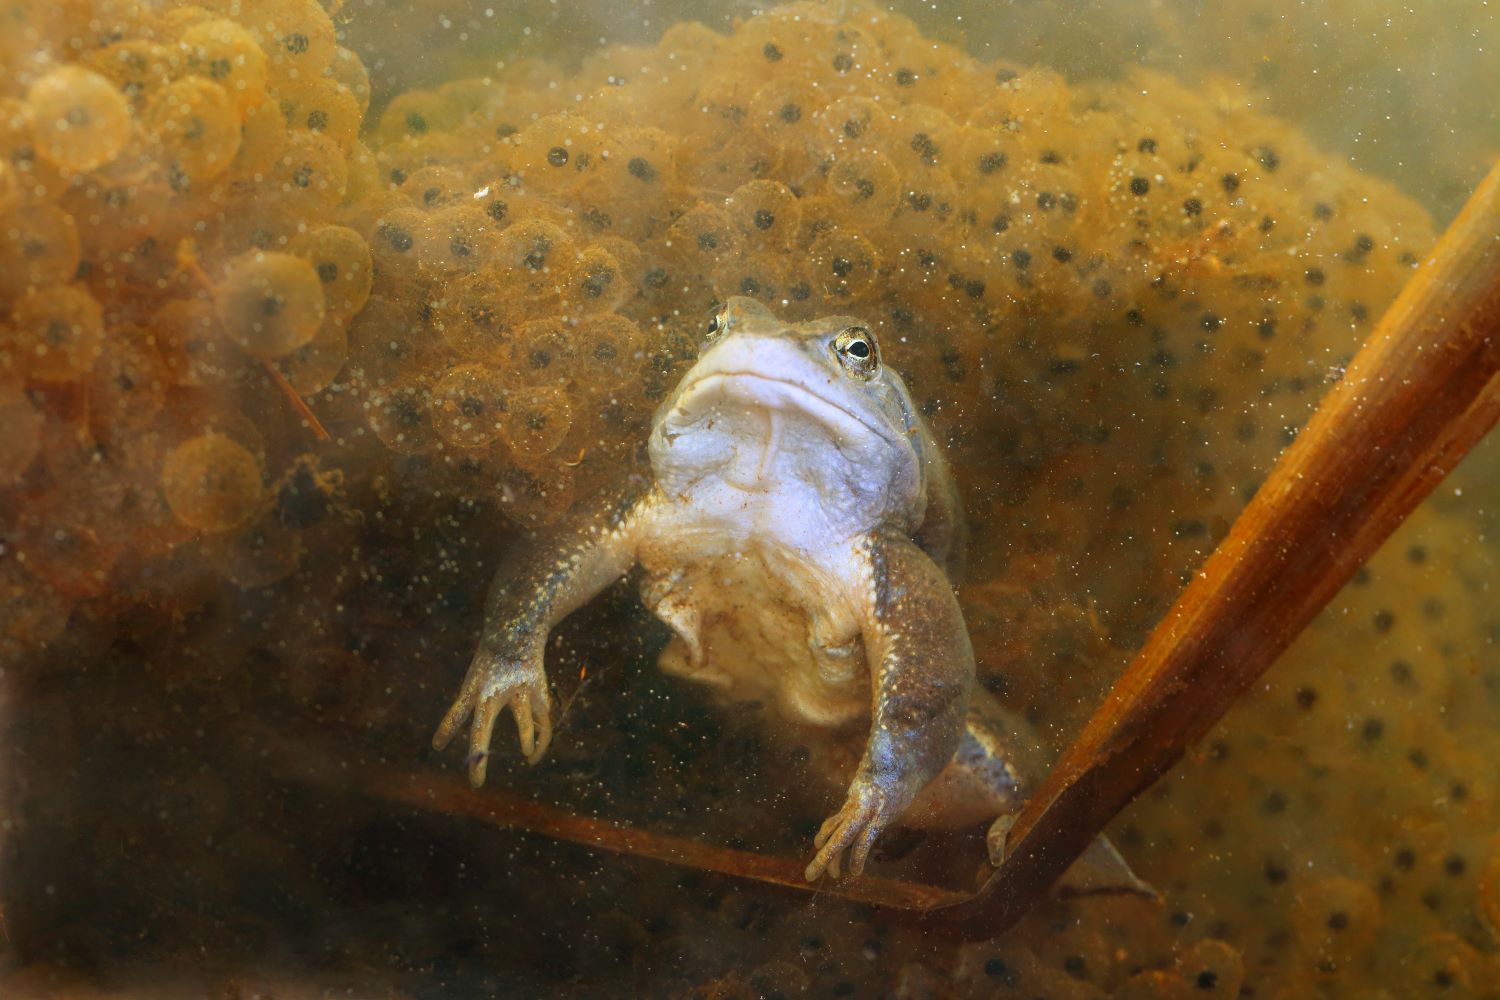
<point>857,352</point>
<point>717,323</point>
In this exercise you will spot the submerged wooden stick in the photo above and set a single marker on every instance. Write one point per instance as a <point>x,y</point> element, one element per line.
<point>452,797</point>
<point>1420,393</point>
<point>315,759</point>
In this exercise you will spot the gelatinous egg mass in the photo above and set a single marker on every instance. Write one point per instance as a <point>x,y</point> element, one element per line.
<point>341,258</point>
<point>59,332</point>
<point>270,303</point>
<point>472,405</point>
<point>225,53</point>
<point>212,483</point>
<point>82,120</point>
<point>538,421</point>
<point>194,121</point>
<point>38,246</point>
<point>23,424</point>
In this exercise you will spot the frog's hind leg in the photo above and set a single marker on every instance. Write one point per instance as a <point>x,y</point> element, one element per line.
<point>982,784</point>
<point>981,781</point>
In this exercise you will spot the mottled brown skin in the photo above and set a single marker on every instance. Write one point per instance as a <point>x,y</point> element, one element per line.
<point>923,672</point>
<point>537,585</point>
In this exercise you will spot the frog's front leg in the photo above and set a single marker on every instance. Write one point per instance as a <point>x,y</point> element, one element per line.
<point>922,670</point>
<point>536,587</point>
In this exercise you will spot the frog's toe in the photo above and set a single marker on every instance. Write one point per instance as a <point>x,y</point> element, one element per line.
<point>994,839</point>
<point>533,712</point>
<point>853,828</point>
<point>542,715</point>
<point>485,714</point>
<point>859,853</point>
<point>458,714</point>
<point>525,726</point>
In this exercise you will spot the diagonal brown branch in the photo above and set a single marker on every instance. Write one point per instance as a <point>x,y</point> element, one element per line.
<point>1420,393</point>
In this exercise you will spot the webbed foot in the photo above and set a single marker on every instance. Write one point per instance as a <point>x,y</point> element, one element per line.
<point>491,685</point>
<point>994,840</point>
<point>865,813</point>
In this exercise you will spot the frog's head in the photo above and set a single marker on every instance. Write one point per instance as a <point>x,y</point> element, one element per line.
<point>807,411</point>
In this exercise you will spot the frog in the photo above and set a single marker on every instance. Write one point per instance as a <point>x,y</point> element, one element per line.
<point>801,534</point>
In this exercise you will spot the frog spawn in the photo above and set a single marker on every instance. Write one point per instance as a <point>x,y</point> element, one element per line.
<point>510,280</point>
<point>129,275</point>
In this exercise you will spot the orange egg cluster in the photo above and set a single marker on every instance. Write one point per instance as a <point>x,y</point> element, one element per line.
<point>243,322</point>
<point>141,297</point>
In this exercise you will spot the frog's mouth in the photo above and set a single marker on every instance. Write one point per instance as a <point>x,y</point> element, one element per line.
<point>758,432</point>
<point>718,391</point>
<point>761,414</point>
